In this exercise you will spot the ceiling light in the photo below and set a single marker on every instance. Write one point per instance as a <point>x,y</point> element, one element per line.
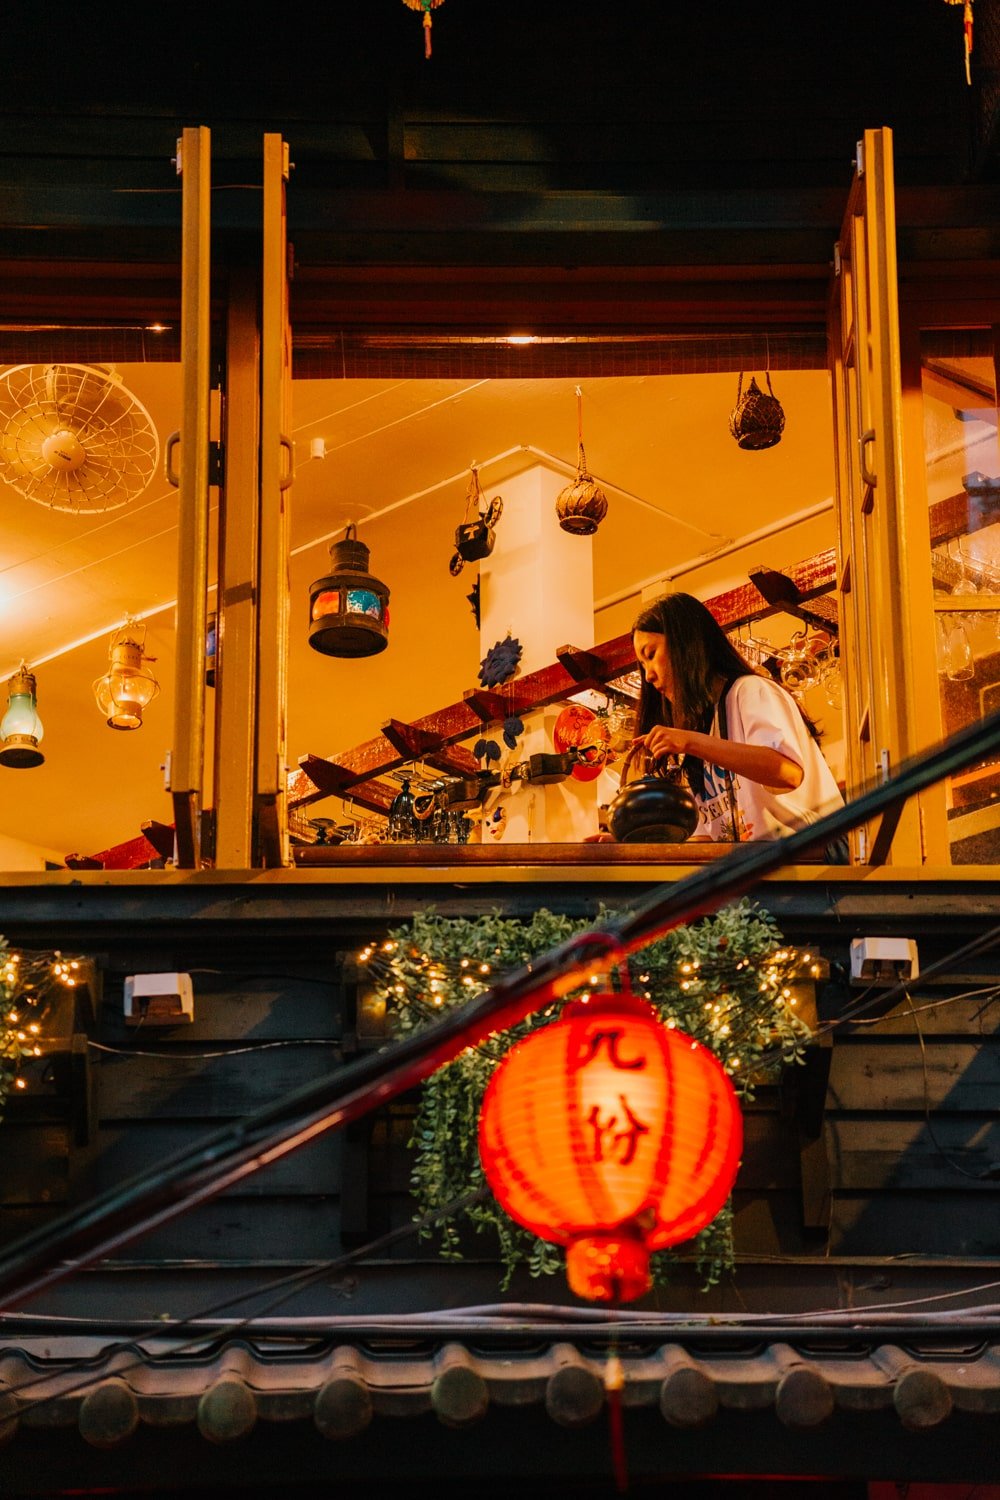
<point>349,609</point>
<point>128,686</point>
<point>21,728</point>
<point>520,338</point>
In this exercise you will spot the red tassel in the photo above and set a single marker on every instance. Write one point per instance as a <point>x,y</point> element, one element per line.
<point>614,1379</point>
<point>427,33</point>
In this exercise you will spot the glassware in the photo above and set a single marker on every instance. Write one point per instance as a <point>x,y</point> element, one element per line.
<point>959,663</point>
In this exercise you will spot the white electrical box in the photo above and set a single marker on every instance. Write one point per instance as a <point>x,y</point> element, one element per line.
<point>883,960</point>
<point>159,999</point>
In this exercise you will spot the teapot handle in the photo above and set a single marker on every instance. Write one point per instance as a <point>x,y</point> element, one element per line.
<point>638,762</point>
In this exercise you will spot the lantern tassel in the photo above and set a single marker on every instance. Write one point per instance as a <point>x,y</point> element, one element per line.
<point>967,27</point>
<point>614,1380</point>
<point>427,33</point>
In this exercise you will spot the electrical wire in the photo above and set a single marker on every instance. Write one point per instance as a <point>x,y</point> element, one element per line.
<point>991,990</point>
<point>945,1157</point>
<point>286,1287</point>
<point>223,1052</point>
<point>899,991</point>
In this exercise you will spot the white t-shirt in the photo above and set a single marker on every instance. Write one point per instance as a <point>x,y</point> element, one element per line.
<point>760,712</point>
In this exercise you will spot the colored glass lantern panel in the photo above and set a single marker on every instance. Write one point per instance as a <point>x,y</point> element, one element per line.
<point>364,602</point>
<point>326,603</point>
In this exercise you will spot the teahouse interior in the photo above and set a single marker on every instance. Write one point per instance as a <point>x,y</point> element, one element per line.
<point>393,455</point>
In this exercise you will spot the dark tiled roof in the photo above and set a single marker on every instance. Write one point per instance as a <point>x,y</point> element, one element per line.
<point>226,1385</point>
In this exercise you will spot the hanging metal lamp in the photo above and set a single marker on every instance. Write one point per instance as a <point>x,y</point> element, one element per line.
<point>349,608</point>
<point>21,728</point>
<point>128,687</point>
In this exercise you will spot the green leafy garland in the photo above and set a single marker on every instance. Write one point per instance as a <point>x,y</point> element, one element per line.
<point>27,980</point>
<point>725,980</point>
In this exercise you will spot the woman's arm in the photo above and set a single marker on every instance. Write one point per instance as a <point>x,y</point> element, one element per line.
<point>756,762</point>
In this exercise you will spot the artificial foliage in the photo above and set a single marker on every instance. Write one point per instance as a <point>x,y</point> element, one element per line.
<point>27,981</point>
<point>725,980</point>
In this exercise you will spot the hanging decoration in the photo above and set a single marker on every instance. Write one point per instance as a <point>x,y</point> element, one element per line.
<point>426,6</point>
<point>500,662</point>
<point>578,728</point>
<point>486,750</point>
<point>757,420</point>
<point>967,33</point>
<point>513,728</point>
<point>349,608</point>
<point>474,598</point>
<point>582,505</point>
<point>128,687</point>
<point>21,728</point>
<point>612,1135</point>
<point>475,538</point>
<point>727,980</point>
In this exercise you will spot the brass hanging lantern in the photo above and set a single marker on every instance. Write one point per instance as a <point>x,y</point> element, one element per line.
<point>349,608</point>
<point>128,687</point>
<point>21,728</point>
<point>757,420</point>
<point>582,505</point>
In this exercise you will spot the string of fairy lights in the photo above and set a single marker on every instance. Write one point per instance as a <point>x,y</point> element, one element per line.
<point>28,981</point>
<point>416,984</point>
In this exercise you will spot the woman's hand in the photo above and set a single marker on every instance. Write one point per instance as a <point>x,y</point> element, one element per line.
<point>664,739</point>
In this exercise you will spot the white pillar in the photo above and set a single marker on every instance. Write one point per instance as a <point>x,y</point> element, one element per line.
<point>537,585</point>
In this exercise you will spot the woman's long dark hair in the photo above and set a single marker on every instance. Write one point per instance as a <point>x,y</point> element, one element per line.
<point>700,652</point>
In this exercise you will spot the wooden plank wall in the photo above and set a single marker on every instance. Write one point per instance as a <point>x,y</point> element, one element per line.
<point>911,1126</point>
<point>906,1161</point>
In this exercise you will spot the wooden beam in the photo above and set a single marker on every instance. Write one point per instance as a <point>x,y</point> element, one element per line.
<point>410,740</point>
<point>161,836</point>
<point>454,760</point>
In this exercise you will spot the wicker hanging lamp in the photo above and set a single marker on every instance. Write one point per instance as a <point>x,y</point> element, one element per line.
<point>582,505</point>
<point>757,420</point>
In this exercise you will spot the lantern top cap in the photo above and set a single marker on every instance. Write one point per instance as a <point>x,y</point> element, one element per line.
<point>22,681</point>
<point>608,1003</point>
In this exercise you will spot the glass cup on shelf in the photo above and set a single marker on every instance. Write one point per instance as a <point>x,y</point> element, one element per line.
<point>956,659</point>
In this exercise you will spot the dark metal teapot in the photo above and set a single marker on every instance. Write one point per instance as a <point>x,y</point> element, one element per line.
<point>655,808</point>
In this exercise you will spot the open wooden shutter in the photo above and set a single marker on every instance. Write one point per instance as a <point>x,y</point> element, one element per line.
<point>275,480</point>
<point>188,751</point>
<point>884,570</point>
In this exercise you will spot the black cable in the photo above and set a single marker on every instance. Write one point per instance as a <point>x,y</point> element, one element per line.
<point>194,1174</point>
<point>898,991</point>
<point>224,1050</point>
<point>287,1287</point>
<point>949,1160</point>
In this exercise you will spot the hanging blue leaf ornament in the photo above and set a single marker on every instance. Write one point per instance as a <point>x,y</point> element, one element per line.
<point>512,727</point>
<point>426,6</point>
<point>500,662</point>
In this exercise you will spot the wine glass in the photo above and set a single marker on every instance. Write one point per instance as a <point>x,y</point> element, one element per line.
<point>959,664</point>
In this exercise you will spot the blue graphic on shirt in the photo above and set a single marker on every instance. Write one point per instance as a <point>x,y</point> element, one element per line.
<point>717,811</point>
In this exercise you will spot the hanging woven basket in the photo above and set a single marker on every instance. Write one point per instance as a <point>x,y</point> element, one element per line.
<point>582,505</point>
<point>757,420</point>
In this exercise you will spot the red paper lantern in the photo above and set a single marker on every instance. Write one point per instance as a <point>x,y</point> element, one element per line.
<point>613,1135</point>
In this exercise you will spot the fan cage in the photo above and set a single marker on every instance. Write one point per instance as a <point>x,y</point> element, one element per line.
<point>114,450</point>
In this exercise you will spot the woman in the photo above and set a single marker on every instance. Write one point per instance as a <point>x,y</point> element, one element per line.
<point>750,753</point>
